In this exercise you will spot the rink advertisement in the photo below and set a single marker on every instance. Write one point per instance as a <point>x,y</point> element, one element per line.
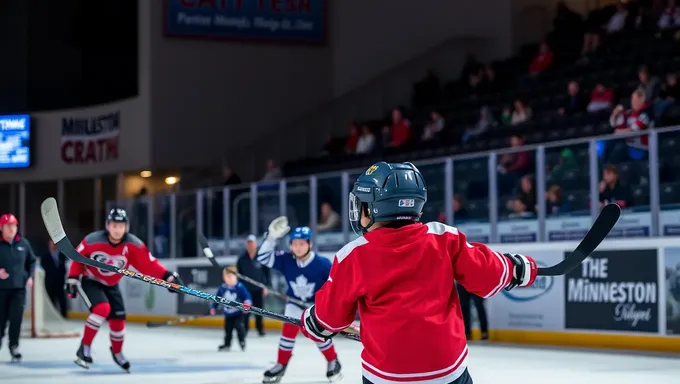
<point>202,278</point>
<point>289,21</point>
<point>539,307</point>
<point>615,291</point>
<point>672,289</point>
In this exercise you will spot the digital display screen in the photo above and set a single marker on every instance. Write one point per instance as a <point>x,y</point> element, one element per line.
<point>15,141</point>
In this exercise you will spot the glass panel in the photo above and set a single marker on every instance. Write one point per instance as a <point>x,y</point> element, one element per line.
<point>471,198</point>
<point>240,217</point>
<point>434,179</point>
<point>624,170</point>
<point>567,192</point>
<point>186,224</point>
<point>329,226</point>
<point>298,202</point>
<point>268,207</point>
<point>669,183</point>
<point>138,211</point>
<point>213,213</point>
<point>34,227</point>
<point>517,220</point>
<point>160,247</point>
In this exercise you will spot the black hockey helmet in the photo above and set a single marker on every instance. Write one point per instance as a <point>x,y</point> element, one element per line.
<point>390,192</point>
<point>117,215</point>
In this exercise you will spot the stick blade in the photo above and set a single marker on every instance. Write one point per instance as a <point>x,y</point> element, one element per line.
<point>52,220</point>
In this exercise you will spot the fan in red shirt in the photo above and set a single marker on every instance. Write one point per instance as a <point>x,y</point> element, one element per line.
<point>401,129</point>
<point>99,289</point>
<point>400,275</point>
<point>542,60</point>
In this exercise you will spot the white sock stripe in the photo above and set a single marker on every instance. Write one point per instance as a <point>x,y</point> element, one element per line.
<point>117,333</point>
<point>287,338</point>
<point>290,344</point>
<point>91,326</point>
<point>96,319</point>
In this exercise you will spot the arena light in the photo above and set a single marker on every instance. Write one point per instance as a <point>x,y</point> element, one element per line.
<point>172,180</point>
<point>145,174</point>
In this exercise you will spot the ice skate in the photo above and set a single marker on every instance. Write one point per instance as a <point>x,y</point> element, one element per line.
<point>243,346</point>
<point>333,372</point>
<point>274,374</point>
<point>83,356</point>
<point>223,348</point>
<point>119,359</point>
<point>15,355</point>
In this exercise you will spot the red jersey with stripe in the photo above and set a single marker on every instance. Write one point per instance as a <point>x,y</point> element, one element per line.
<point>402,282</point>
<point>131,251</point>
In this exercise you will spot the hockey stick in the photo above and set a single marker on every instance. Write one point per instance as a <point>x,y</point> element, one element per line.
<point>603,225</point>
<point>203,243</point>
<point>52,221</point>
<point>181,320</point>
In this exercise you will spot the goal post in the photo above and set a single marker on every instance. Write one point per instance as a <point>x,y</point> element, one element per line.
<point>41,318</point>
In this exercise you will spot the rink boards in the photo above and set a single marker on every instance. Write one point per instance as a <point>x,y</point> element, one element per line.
<point>626,296</point>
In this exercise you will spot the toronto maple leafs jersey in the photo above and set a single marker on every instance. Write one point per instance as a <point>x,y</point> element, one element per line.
<point>236,293</point>
<point>304,278</point>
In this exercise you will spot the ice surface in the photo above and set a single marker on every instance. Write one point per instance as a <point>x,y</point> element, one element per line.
<point>177,355</point>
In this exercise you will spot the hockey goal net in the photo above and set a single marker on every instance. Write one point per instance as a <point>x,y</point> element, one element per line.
<point>41,318</point>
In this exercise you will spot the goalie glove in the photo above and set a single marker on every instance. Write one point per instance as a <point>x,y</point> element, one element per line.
<point>311,327</point>
<point>278,228</point>
<point>524,270</point>
<point>71,287</point>
<point>172,277</point>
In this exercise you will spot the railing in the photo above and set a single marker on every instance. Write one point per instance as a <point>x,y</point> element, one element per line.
<point>169,223</point>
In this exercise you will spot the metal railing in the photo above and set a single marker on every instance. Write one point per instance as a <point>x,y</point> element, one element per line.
<point>169,223</point>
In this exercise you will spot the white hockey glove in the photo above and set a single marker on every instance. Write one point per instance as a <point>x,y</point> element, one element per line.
<point>71,287</point>
<point>312,329</point>
<point>524,270</point>
<point>278,228</point>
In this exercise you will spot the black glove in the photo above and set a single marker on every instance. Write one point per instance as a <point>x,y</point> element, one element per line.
<point>172,277</point>
<point>71,287</point>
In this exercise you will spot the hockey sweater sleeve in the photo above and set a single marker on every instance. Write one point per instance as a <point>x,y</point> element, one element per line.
<point>482,270</point>
<point>244,294</point>
<point>337,301</point>
<point>268,256</point>
<point>78,269</point>
<point>146,263</point>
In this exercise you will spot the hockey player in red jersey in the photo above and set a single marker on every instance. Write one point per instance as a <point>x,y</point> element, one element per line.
<point>99,289</point>
<point>400,275</point>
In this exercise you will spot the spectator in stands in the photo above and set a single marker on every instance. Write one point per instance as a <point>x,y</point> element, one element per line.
<point>230,177</point>
<point>273,172</point>
<point>567,163</point>
<point>618,20</point>
<point>506,116</point>
<point>574,102</point>
<point>650,84</point>
<point>485,122</point>
<point>669,94</point>
<point>513,166</point>
<point>670,18</point>
<point>475,80</point>
<point>521,113</point>
<point>601,98</point>
<point>637,119</point>
<point>366,143</point>
<point>400,131</point>
<point>352,139</point>
<point>489,80</point>
<point>542,60</point>
<point>554,202</point>
<point>434,127</point>
<point>460,214</point>
<point>611,189</point>
<point>329,219</point>
<point>644,21</point>
<point>525,203</point>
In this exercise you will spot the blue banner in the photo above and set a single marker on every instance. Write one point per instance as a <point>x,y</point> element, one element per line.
<point>15,141</point>
<point>277,21</point>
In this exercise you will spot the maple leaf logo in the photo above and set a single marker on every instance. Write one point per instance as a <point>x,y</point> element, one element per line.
<point>302,288</point>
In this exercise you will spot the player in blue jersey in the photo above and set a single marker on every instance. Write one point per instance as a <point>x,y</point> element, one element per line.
<point>234,318</point>
<point>305,272</point>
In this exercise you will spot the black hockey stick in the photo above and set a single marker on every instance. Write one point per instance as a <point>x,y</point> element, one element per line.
<point>52,221</point>
<point>603,225</point>
<point>181,320</point>
<point>203,243</point>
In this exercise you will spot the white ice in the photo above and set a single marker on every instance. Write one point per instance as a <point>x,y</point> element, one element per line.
<point>179,355</point>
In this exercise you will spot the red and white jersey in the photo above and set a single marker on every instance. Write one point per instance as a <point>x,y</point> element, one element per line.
<point>402,282</point>
<point>131,251</point>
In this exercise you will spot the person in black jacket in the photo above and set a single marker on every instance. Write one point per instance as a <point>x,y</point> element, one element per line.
<point>17,262</point>
<point>248,265</point>
<point>54,264</point>
<point>465,299</point>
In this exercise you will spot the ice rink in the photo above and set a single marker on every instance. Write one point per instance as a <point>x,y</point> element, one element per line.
<point>184,355</point>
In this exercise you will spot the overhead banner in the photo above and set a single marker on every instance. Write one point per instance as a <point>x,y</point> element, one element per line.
<point>672,274</point>
<point>614,291</point>
<point>92,139</point>
<point>278,21</point>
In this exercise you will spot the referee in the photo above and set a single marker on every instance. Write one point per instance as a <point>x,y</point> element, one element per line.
<point>17,262</point>
<point>248,266</point>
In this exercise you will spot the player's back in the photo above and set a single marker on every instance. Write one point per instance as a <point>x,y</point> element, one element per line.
<point>410,314</point>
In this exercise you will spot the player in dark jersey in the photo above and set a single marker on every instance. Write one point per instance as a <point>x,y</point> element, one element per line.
<point>99,289</point>
<point>305,273</point>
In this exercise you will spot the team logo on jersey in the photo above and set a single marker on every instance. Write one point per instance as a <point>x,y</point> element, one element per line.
<point>371,170</point>
<point>118,261</point>
<point>302,288</point>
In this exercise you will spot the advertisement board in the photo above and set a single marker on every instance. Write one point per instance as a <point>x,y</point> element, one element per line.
<point>270,21</point>
<point>539,307</point>
<point>614,291</point>
<point>672,289</point>
<point>203,278</point>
